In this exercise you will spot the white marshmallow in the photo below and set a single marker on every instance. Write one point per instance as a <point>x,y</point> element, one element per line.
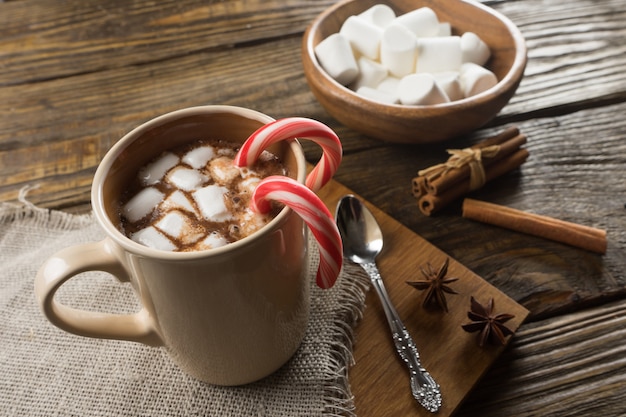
<point>210,201</point>
<point>335,55</point>
<point>420,89</point>
<point>213,240</point>
<point>178,225</point>
<point>398,50</point>
<point>154,172</point>
<point>364,37</point>
<point>476,79</point>
<point>198,157</point>
<point>248,185</point>
<point>177,200</point>
<point>474,49</point>
<point>439,54</point>
<point>422,22</point>
<point>389,85</point>
<point>142,204</point>
<point>377,95</point>
<point>450,84</point>
<point>380,15</point>
<point>172,224</point>
<point>152,238</point>
<point>226,152</point>
<point>223,170</point>
<point>371,73</point>
<point>251,221</point>
<point>186,179</point>
<point>445,29</point>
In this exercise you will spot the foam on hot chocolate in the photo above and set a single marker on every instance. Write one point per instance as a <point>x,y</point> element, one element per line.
<point>195,198</point>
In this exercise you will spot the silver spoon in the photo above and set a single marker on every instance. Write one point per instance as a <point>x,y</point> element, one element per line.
<point>362,242</point>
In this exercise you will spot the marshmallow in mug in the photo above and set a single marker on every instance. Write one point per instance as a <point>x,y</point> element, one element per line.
<point>181,204</point>
<point>376,49</point>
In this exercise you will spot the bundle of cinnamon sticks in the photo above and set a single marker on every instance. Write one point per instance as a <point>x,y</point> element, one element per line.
<point>468,169</point>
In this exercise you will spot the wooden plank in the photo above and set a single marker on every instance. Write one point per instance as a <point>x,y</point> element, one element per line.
<point>79,118</point>
<point>571,365</point>
<point>576,55</point>
<point>451,355</point>
<point>43,40</point>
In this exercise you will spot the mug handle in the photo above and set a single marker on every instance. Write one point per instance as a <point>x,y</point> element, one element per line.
<point>69,262</point>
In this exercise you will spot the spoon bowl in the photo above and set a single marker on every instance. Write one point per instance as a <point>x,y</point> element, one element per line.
<point>362,242</point>
<point>361,235</point>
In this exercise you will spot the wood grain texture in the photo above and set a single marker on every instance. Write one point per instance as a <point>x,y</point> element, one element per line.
<point>79,119</point>
<point>576,54</point>
<point>565,366</point>
<point>73,37</point>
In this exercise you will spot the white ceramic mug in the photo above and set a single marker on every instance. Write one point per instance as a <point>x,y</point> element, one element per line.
<point>227,316</point>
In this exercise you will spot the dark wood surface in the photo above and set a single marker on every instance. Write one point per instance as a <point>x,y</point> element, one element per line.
<point>75,76</point>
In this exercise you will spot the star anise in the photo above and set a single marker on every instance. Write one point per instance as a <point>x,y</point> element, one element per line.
<point>435,284</point>
<point>490,326</point>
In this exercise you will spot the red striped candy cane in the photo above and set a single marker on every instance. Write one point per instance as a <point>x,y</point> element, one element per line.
<point>290,128</point>
<point>307,205</point>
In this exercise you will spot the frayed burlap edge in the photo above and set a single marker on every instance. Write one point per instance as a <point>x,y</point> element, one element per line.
<point>23,209</point>
<point>338,395</point>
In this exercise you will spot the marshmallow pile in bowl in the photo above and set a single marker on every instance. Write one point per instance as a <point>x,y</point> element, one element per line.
<point>410,58</point>
<point>427,123</point>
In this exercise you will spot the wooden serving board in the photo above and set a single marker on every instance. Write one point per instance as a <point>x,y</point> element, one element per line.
<point>378,379</point>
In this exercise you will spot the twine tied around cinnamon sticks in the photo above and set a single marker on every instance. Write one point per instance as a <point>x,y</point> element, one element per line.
<point>468,169</point>
<point>472,157</point>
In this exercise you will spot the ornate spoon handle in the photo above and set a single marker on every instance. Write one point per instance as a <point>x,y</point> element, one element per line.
<point>424,388</point>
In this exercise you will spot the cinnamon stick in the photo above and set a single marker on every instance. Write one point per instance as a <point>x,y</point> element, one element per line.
<point>508,145</point>
<point>419,186</point>
<point>430,203</point>
<point>573,234</point>
<point>506,134</point>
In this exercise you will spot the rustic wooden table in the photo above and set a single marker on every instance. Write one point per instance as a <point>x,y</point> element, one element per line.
<point>75,76</point>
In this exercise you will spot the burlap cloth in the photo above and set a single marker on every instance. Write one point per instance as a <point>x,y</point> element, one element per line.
<point>47,372</point>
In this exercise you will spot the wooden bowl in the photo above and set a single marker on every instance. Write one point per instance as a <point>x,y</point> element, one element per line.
<point>420,124</point>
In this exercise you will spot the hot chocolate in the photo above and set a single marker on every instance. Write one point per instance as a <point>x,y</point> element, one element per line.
<point>194,198</point>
